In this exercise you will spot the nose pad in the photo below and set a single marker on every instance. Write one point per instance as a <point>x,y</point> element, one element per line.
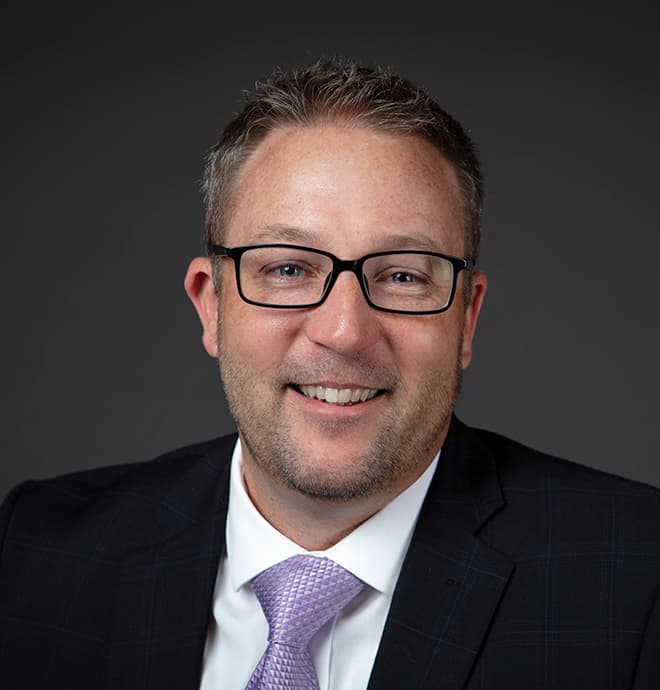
<point>365,283</point>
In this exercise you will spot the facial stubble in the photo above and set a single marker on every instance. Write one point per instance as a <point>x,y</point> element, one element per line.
<point>404,445</point>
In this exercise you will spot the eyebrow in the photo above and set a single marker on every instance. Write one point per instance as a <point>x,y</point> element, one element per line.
<point>286,233</point>
<point>401,241</point>
<point>275,233</point>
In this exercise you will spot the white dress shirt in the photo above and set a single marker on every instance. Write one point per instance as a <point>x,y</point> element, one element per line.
<point>344,649</point>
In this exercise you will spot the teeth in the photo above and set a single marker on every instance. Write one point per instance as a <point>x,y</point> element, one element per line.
<point>344,396</point>
<point>337,396</point>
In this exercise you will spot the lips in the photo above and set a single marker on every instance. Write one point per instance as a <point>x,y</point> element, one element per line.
<point>337,396</point>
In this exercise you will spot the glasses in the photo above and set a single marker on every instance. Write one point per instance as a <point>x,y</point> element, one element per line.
<point>287,276</point>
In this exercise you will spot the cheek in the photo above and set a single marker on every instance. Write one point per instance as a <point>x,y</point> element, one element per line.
<point>421,349</point>
<point>256,336</point>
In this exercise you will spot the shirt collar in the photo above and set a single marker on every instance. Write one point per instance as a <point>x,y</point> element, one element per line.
<point>373,551</point>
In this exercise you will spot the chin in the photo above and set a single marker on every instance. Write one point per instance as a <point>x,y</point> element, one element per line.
<point>332,489</point>
<point>320,475</point>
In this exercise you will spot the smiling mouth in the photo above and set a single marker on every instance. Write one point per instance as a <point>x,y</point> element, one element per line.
<point>337,396</point>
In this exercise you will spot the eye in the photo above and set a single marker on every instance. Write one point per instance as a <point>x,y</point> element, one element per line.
<point>400,279</point>
<point>289,271</point>
<point>403,277</point>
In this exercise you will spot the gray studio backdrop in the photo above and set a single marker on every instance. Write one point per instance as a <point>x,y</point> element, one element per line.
<point>107,116</point>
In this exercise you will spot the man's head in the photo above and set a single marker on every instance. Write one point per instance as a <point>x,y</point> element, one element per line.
<point>333,180</point>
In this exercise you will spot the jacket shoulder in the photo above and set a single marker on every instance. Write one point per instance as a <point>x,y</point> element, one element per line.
<point>149,476</point>
<point>172,490</point>
<point>577,499</point>
<point>519,463</point>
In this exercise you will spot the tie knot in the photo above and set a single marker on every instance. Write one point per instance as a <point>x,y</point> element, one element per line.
<point>299,595</point>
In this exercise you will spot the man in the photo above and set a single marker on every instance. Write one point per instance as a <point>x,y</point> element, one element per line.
<point>340,297</point>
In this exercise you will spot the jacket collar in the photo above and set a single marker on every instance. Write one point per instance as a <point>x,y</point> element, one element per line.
<point>168,572</point>
<point>448,590</point>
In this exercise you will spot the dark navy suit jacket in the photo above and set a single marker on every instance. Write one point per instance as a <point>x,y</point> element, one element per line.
<point>525,572</point>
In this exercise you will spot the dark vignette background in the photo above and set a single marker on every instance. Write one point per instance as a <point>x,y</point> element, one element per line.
<point>108,112</point>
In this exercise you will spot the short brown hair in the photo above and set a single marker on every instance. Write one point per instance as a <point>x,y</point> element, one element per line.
<point>347,93</point>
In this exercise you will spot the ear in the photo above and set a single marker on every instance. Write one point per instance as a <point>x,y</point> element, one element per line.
<point>479,285</point>
<point>199,287</point>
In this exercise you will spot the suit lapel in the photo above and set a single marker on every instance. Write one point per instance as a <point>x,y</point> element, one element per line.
<point>448,590</point>
<point>451,582</point>
<point>165,588</point>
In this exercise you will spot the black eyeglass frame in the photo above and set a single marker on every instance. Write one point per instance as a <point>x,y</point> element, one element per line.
<point>339,266</point>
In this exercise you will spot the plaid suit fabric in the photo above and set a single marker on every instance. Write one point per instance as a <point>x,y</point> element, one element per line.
<point>106,577</point>
<point>525,572</point>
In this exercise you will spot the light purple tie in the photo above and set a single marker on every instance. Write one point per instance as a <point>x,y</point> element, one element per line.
<point>298,596</point>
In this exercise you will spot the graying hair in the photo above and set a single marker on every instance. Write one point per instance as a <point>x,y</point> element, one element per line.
<point>346,93</point>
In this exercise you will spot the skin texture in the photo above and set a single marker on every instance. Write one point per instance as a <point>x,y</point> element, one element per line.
<point>313,469</point>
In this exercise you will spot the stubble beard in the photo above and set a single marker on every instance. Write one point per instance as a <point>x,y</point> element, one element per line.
<point>404,446</point>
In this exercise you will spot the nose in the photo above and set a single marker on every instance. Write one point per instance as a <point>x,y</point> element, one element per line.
<point>344,322</point>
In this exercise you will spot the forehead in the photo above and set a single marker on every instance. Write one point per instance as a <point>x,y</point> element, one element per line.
<point>346,189</point>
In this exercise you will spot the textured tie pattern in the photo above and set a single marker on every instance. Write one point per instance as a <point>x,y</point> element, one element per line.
<point>298,596</point>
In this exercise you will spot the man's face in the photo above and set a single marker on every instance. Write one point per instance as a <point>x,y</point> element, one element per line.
<point>349,191</point>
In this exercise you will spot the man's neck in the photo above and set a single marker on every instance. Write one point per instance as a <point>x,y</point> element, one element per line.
<point>313,523</point>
